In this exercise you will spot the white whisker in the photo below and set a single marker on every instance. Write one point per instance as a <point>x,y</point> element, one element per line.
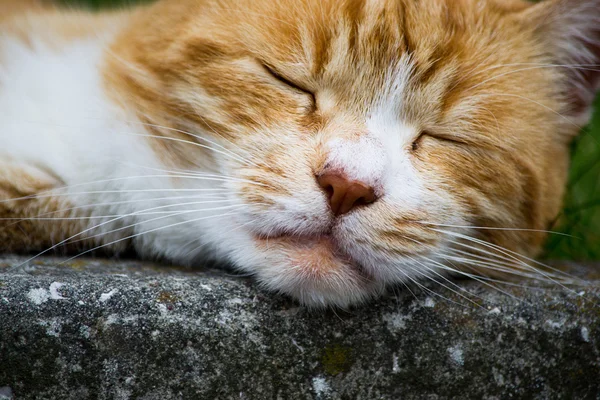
<point>144,233</point>
<point>447,280</point>
<point>51,192</point>
<point>511,254</point>
<point>494,228</point>
<point>100,225</point>
<point>113,203</point>
<point>169,214</point>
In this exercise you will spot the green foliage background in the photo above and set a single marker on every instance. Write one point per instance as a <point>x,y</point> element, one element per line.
<point>580,217</point>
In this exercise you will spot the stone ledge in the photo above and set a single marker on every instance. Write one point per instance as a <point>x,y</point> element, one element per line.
<point>93,329</point>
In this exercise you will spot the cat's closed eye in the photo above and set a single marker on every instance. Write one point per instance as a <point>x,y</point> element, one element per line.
<point>443,138</point>
<point>289,83</point>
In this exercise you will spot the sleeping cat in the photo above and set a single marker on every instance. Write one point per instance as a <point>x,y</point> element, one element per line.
<point>331,148</point>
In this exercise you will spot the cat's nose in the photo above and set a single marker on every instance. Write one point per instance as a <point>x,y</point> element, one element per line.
<point>345,194</point>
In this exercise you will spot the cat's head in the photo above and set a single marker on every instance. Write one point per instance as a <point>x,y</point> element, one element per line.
<point>368,142</point>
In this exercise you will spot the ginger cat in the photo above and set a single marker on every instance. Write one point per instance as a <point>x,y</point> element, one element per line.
<point>332,148</point>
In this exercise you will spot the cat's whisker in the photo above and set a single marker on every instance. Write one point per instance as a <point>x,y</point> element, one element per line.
<point>517,265</point>
<point>168,138</point>
<point>224,151</point>
<point>498,129</point>
<point>408,288</point>
<point>145,233</point>
<point>484,280</point>
<point>93,217</point>
<point>170,214</point>
<point>425,288</point>
<point>473,72</point>
<point>495,261</point>
<point>511,254</point>
<point>49,194</point>
<point>491,266</point>
<point>52,192</point>
<point>581,67</point>
<point>437,273</point>
<point>90,218</point>
<point>194,173</point>
<point>67,240</point>
<point>197,248</point>
<point>249,161</point>
<point>515,256</point>
<point>457,292</point>
<point>514,266</point>
<point>113,203</point>
<point>568,120</point>
<point>491,228</point>
<point>200,138</point>
<point>477,278</point>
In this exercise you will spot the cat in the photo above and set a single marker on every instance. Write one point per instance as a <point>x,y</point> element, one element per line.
<point>330,148</point>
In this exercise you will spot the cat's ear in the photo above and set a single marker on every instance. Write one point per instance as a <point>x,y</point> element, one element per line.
<point>570,30</point>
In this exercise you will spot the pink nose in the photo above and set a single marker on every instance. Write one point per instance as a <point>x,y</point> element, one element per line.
<point>345,194</point>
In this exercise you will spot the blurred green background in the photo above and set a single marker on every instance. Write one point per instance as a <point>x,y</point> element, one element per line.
<point>580,217</point>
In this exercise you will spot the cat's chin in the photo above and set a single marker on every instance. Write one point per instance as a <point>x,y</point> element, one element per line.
<point>314,270</point>
<point>320,252</point>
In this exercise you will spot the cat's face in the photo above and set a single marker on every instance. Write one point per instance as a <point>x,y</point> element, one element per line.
<point>370,142</point>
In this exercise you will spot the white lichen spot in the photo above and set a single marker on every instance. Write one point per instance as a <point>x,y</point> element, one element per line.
<point>104,297</point>
<point>206,287</point>
<point>162,308</point>
<point>429,303</point>
<point>85,331</point>
<point>498,377</point>
<point>224,318</point>
<point>130,319</point>
<point>495,311</point>
<point>54,294</point>
<point>122,394</point>
<point>396,321</point>
<point>555,324</point>
<point>585,334</point>
<point>235,301</point>
<point>456,354</point>
<point>6,392</point>
<point>38,296</point>
<point>53,327</point>
<point>321,387</point>
<point>155,334</point>
<point>111,319</point>
<point>81,303</point>
<point>76,368</point>
<point>395,365</point>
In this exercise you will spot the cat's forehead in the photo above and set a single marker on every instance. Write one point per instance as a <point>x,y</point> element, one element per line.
<point>361,50</point>
<point>428,62</point>
<point>377,31</point>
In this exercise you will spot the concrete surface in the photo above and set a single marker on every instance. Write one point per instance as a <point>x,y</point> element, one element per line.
<point>96,329</point>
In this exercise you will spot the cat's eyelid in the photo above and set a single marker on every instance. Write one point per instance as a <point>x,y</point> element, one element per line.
<point>444,137</point>
<point>277,75</point>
